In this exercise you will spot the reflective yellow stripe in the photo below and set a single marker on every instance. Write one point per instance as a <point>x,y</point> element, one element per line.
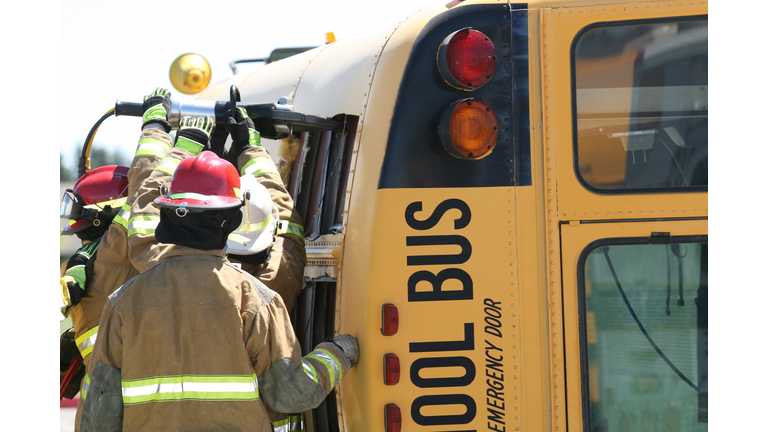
<point>255,226</point>
<point>309,369</point>
<point>86,341</point>
<point>143,224</point>
<point>84,388</point>
<point>168,165</point>
<point>115,203</point>
<point>293,423</point>
<point>258,166</point>
<point>285,227</point>
<point>123,215</point>
<point>152,147</point>
<point>191,387</point>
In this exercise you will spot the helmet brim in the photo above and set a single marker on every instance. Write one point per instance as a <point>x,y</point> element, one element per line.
<point>209,203</point>
<point>240,243</point>
<point>75,227</point>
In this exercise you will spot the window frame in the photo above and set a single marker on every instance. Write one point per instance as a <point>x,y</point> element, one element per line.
<point>574,112</point>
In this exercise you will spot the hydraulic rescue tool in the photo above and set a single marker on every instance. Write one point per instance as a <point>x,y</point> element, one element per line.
<point>273,120</point>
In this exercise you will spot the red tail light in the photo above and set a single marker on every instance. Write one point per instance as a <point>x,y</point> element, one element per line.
<point>466,59</point>
<point>389,319</point>
<point>393,419</point>
<point>391,369</point>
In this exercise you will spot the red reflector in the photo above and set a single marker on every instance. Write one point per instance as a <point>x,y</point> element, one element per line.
<point>389,319</point>
<point>393,420</point>
<point>391,369</point>
<point>467,59</point>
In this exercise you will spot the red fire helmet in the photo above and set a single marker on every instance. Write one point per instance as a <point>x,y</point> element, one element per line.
<point>93,192</point>
<point>204,182</point>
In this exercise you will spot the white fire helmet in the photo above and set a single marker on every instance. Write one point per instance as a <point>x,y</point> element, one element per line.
<point>260,217</point>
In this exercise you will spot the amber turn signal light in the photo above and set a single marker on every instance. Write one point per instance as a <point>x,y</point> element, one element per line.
<point>468,129</point>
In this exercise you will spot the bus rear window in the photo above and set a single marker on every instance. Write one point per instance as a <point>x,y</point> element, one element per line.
<point>641,106</point>
<point>645,337</point>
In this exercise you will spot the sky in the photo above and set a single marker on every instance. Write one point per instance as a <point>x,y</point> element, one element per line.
<point>124,50</point>
<point>66,62</point>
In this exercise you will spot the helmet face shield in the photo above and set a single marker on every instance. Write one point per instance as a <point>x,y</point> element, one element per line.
<point>71,206</point>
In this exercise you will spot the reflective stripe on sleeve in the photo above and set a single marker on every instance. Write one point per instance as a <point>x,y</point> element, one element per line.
<point>293,423</point>
<point>123,215</point>
<point>329,361</point>
<point>309,369</point>
<point>168,165</point>
<point>84,388</point>
<point>86,341</point>
<point>143,224</point>
<point>258,166</point>
<point>152,147</point>
<point>191,387</point>
<point>285,227</point>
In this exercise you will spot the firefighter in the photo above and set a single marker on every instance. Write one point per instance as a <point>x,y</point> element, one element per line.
<point>270,242</point>
<point>112,265</point>
<point>90,206</point>
<point>281,267</point>
<point>130,244</point>
<point>195,342</point>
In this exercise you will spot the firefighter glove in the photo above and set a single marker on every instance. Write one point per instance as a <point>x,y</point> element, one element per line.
<point>349,345</point>
<point>156,108</point>
<point>219,140</point>
<point>194,134</point>
<point>243,132</point>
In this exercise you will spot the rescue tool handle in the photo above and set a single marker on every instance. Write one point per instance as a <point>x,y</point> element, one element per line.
<point>217,109</point>
<point>272,120</point>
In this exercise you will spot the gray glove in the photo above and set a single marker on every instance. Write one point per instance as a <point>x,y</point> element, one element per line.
<point>349,345</point>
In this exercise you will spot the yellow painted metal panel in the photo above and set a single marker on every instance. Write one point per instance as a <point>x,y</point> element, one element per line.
<point>575,238</point>
<point>505,312</point>
<point>575,202</point>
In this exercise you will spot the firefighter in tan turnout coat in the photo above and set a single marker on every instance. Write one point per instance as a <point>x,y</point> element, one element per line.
<point>194,341</point>
<point>132,236</point>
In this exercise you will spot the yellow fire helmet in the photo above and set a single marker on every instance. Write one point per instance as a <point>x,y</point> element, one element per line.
<point>260,217</point>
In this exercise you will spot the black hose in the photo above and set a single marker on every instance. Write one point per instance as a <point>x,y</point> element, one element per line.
<point>642,329</point>
<point>83,165</point>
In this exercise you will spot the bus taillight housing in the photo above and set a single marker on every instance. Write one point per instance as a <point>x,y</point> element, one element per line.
<point>469,129</point>
<point>466,59</point>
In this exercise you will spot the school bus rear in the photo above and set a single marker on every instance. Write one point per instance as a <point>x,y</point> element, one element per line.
<point>484,282</point>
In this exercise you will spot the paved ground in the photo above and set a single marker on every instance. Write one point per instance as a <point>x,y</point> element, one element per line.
<point>67,419</point>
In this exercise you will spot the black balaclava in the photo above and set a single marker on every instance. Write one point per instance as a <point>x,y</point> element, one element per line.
<point>95,231</point>
<point>204,230</point>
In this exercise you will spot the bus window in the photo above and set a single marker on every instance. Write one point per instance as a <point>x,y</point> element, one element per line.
<point>641,106</point>
<point>644,328</point>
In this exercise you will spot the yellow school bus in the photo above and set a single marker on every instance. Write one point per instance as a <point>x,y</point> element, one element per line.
<point>506,203</point>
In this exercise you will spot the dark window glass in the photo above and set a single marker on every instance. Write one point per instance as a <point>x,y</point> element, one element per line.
<point>641,106</point>
<point>645,337</point>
